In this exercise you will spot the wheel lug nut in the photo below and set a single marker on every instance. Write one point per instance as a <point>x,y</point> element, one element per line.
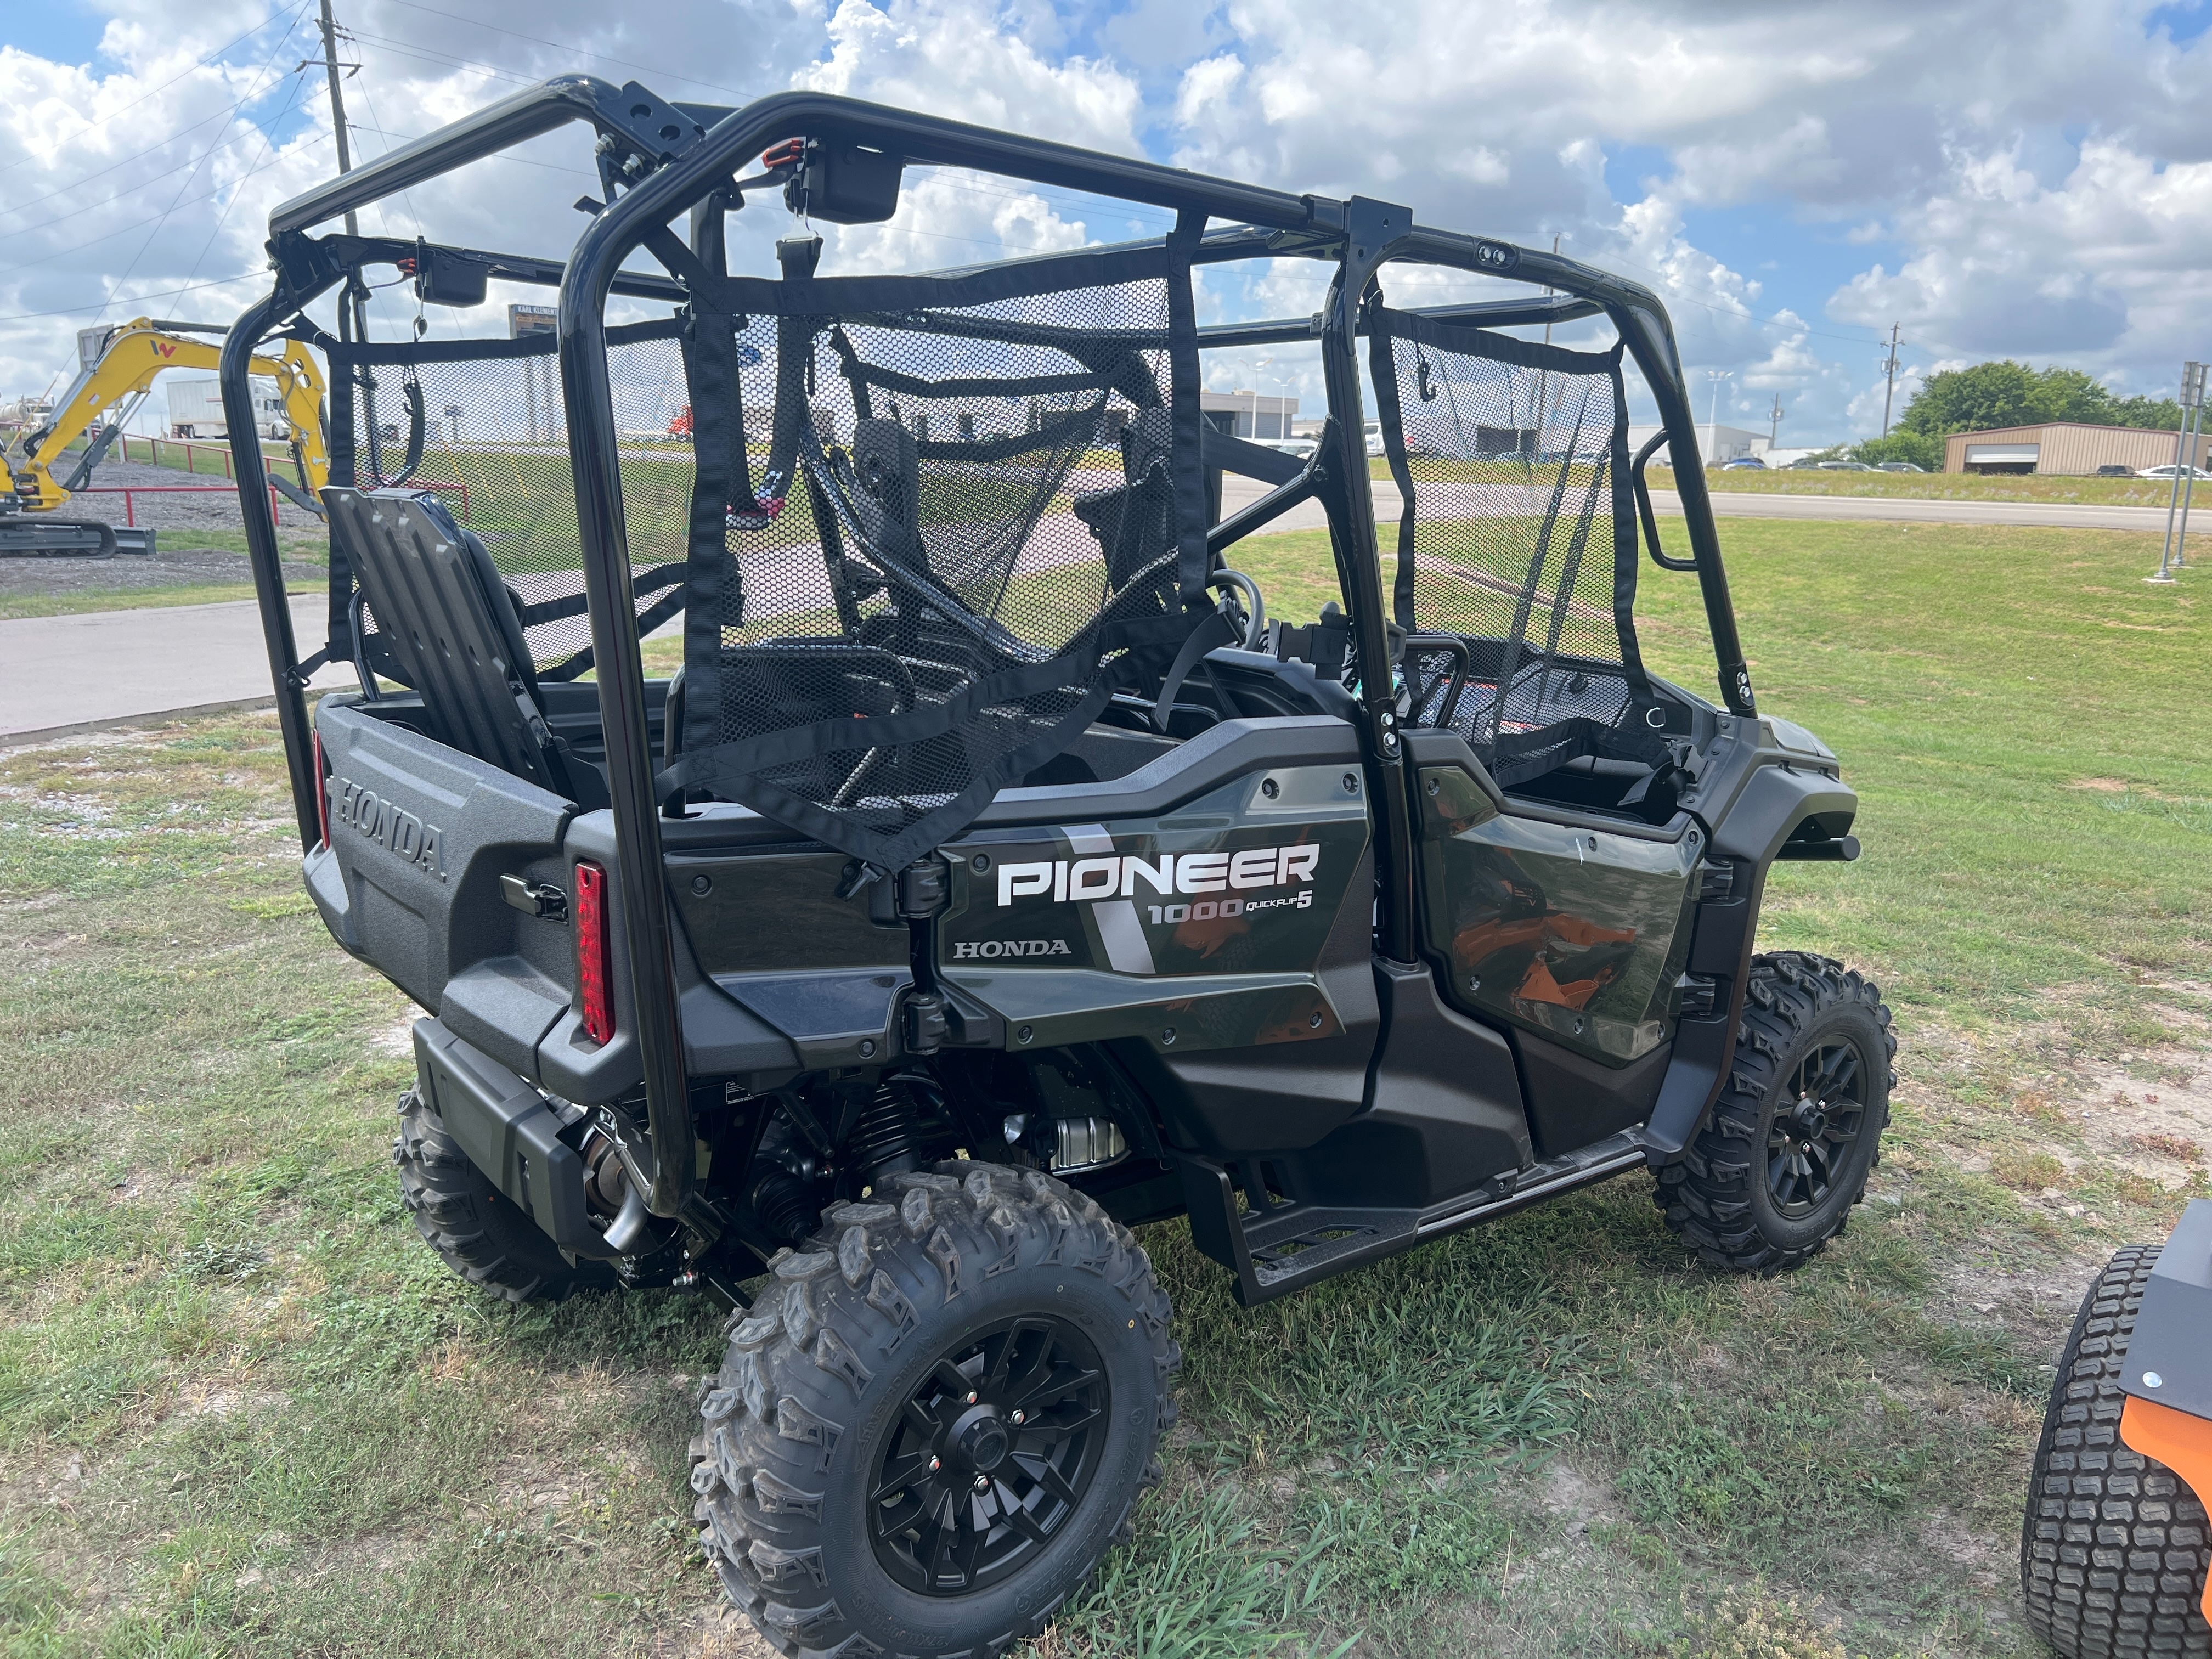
<point>1020,1417</point>
<point>982,1483</point>
<point>934,1465</point>
<point>971,1399</point>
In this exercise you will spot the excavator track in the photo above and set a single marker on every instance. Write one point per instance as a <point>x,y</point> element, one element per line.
<point>67,539</point>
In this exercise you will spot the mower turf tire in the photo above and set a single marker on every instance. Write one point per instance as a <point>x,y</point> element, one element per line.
<point>1715,1194</point>
<point>2113,1551</point>
<point>466,1219</point>
<point>826,1364</point>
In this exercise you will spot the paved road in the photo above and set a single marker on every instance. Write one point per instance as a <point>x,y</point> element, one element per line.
<point>1746,504</point>
<point>59,674</point>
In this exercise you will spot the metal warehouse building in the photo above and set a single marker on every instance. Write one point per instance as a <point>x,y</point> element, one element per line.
<point>2068,449</point>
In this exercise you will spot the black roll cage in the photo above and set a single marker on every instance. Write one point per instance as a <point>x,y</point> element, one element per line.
<point>658,161</point>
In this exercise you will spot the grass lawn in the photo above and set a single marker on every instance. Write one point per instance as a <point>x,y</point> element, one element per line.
<point>247,1411</point>
<point>1810,480</point>
<point>1937,486</point>
<point>184,573</point>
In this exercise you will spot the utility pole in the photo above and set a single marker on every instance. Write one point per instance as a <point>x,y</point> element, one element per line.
<point>353,303</point>
<point>1889,378</point>
<point>338,105</point>
<point>2184,455</point>
<point>1774,423</point>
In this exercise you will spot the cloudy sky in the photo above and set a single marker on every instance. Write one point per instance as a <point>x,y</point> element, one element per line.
<point>1999,180</point>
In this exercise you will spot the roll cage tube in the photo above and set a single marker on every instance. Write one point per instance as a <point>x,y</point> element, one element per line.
<point>1642,322</point>
<point>683,185</point>
<point>680,164</point>
<point>234,368</point>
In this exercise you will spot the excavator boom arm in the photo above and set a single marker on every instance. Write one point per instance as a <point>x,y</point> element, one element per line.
<point>135,354</point>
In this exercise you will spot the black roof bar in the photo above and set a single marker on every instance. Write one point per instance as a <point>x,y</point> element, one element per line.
<point>1485,313</point>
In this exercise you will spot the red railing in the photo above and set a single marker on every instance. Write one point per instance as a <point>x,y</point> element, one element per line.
<point>130,507</point>
<point>192,453</point>
<point>276,512</point>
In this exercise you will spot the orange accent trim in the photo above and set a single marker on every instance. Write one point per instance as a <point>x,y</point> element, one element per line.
<point>2179,1439</point>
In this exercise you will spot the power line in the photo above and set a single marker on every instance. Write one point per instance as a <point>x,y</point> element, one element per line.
<point>563,46</point>
<point>158,294</point>
<point>165,87</point>
<point>19,207</point>
<point>269,64</point>
<point>299,80</point>
<point>151,178</point>
<point>151,218</point>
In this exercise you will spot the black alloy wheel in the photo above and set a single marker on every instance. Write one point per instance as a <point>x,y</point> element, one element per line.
<point>989,1456</point>
<point>1816,1124</point>
<point>936,1418</point>
<point>1771,1175</point>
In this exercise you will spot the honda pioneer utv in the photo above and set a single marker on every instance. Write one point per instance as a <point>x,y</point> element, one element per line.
<point>981,872</point>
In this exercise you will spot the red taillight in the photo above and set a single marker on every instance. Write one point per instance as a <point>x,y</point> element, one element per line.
<point>591,987</point>
<point>322,793</point>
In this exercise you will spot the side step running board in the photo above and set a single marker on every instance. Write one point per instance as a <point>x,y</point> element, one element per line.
<point>1275,1248</point>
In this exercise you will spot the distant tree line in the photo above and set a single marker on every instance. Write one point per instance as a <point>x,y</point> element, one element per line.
<point>2002,394</point>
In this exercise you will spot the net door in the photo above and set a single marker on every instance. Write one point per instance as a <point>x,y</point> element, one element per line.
<point>938,521</point>
<point>1516,534</point>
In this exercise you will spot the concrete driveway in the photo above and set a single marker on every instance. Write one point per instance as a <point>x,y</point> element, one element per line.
<point>65,674</point>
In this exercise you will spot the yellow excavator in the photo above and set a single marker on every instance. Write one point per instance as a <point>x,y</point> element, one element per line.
<point>110,386</point>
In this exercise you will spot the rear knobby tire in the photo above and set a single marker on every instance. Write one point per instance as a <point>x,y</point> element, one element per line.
<point>2114,1552</point>
<point>1744,1202</point>
<point>466,1220</point>
<point>854,1357</point>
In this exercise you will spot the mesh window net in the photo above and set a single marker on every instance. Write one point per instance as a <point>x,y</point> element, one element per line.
<point>478,425</point>
<point>1515,537</point>
<point>937,523</point>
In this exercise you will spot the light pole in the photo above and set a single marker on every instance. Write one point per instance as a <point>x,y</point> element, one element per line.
<point>1713,419</point>
<point>2184,455</point>
<point>1889,377</point>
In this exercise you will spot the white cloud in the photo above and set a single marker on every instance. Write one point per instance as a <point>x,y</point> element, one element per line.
<point>952,57</point>
<point>2110,268</point>
<point>2043,191</point>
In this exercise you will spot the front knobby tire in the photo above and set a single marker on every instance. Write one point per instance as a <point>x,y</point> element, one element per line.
<point>1783,1156</point>
<point>937,1419</point>
<point>2113,1550</point>
<point>479,1233</point>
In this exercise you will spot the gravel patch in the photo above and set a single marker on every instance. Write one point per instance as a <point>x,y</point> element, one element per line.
<point>178,562</point>
<point>214,511</point>
<point>183,566</point>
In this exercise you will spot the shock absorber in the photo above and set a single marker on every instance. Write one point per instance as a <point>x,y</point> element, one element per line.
<point>887,1140</point>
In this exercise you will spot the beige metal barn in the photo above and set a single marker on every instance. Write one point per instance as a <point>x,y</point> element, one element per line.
<point>2062,447</point>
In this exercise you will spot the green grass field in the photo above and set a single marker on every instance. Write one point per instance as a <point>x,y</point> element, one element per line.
<point>248,1413</point>
<point>1938,486</point>
<point>1808,481</point>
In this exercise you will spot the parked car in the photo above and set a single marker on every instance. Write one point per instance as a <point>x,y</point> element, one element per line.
<point>1302,448</point>
<point>1900,466</point>
<point>1742,464</point>
<point>1845,466</point>
<point>1806,464</point>
<point>1375,437</point>
<point>2115,469</point>
<point>2171,472</point>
